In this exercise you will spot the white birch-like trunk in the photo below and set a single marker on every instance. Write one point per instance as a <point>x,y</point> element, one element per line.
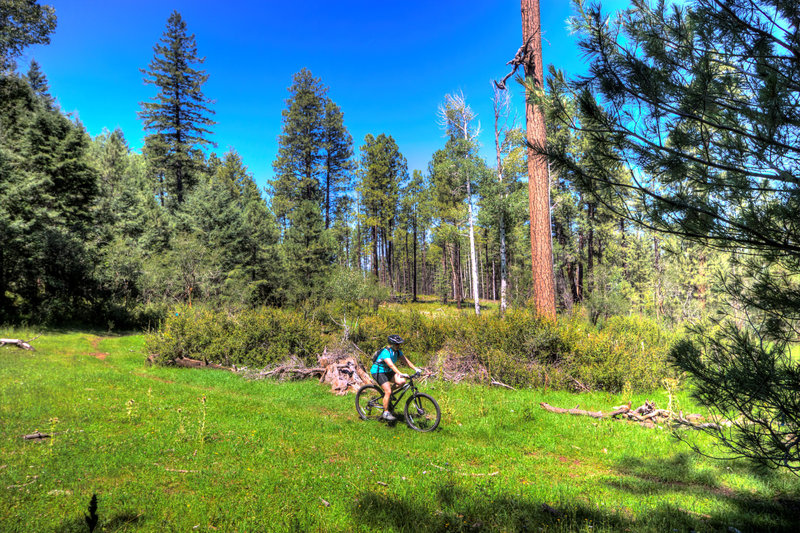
<point>472,260</point>
<point>501,103</point>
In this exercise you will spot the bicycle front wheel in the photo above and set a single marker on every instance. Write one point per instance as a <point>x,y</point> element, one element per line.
<point>422,412</point>
<point>369,402</point>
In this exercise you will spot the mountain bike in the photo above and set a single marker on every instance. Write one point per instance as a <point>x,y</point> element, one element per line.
<point>422,412</point>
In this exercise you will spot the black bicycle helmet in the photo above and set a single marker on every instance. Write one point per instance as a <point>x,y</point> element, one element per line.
<point>395,339</point>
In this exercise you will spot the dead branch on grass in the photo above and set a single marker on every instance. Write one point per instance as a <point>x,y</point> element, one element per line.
<point>647,415</point>
<point>19,343</point>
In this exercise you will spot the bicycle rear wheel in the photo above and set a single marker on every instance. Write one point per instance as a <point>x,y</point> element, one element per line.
<point>369,402</point>
<point>422,412</point>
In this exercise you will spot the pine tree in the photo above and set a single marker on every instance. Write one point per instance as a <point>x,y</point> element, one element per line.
<point>179,114</point>
<point>38,82</point>
<point>299,164</point>
<point>538,176</point>
<point>315,150</point>
<point>712,156</point>
<point>338,147</point>
<point>383,170</point>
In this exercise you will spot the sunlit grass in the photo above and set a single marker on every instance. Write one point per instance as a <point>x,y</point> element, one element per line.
<point>264,456</point>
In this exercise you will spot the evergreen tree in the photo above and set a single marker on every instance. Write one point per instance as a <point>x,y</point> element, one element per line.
<point>179,114</point>
<point>315,151</point>
<point>338,163</point>
<point>712,156</point>
<point>308,251</point>
<point>298,166</point>
<point>255,267</point>
<point>383,170</point>
<point>46,262</point>
<point>538,175</point>
<point>414,216</point>
<point>38,82</point>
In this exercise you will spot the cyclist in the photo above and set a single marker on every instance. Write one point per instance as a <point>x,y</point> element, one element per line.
<point>386,373</point>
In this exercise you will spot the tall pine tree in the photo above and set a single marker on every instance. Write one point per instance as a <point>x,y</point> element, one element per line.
<point>383,171</point>
<point>314,161</point>
<point>179,115</point>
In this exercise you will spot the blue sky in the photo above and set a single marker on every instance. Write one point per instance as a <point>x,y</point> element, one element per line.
<point>388,64</point>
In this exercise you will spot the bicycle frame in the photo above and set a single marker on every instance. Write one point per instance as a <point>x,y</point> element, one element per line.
<point>397,395</point>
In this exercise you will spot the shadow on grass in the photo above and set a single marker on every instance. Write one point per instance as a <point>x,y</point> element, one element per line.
<point>120,521</point>
<point>746,511</point>
<point>457,509</point>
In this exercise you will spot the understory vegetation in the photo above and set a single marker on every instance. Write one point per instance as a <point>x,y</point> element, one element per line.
<point>185,450</point>
<point>519,349</point>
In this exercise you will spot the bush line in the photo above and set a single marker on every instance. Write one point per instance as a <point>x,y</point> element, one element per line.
<point>520,349</point>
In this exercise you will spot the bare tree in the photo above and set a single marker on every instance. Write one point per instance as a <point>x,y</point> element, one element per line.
<point>501,102</point>
<point>458,119</point>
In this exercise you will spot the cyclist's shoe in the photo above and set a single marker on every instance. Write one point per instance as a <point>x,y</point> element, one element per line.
<point>388,416</point>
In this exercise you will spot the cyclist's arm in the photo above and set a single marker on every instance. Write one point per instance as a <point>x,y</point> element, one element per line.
<point>410,364</point>
<point>388,362</point>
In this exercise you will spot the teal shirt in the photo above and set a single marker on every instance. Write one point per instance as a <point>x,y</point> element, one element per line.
<point>387,353</point>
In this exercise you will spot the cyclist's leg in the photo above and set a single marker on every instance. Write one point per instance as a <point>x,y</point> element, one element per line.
<point>387,393</point>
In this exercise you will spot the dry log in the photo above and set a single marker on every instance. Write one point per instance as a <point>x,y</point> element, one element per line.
<point>647,415</point>
<point>581,412</point>
<point>36,435</point>
<point>19,343</point>
<point>657,413</point>
<point>185,362</point>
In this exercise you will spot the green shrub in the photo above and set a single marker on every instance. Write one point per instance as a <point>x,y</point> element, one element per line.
<point>250,338</point>
<point>519,349</point>
<point>627,352</point>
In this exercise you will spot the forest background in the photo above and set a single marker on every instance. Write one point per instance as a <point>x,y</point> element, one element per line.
<point>144,240</point>
<point>673,199</point>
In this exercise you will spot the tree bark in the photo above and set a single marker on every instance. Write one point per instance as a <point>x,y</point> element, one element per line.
<point>538,173</point>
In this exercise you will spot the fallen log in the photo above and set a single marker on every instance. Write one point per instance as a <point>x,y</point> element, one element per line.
<point>648,415</point>
<point>19,343</point>
<point>185,362</point>
<point>581,412</point>
<point>36,435</point>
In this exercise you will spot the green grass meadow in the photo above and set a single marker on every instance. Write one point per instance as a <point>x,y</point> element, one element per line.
<point>202,450</point>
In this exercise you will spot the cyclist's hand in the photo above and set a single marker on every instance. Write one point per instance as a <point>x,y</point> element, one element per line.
<point>405,375</point>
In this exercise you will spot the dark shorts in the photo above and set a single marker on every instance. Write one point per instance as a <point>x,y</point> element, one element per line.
<point>384,377</point>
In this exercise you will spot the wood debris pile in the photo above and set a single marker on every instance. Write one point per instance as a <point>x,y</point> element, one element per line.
<point>339,367</point>
<point>455,367</point>
<point>647,415</point>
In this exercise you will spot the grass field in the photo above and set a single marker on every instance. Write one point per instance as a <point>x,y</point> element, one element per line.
<point>199,450</point>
